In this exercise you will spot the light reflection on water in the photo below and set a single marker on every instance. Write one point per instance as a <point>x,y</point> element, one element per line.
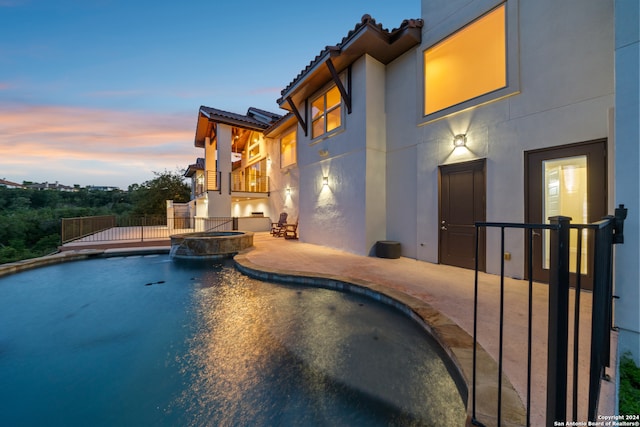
<point>210,347</point>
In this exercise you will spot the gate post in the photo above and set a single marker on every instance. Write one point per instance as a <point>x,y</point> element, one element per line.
<point>558,320</point>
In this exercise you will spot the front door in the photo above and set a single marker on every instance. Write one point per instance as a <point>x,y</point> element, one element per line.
<point>569,181</point>
<point>462,203</point>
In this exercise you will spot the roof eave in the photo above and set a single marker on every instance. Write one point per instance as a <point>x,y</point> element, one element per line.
<point>280,126</point>
<point>369,39</point>
<point>206,118</point>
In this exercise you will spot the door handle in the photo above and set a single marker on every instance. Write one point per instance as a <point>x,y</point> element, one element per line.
<point>535,233</point>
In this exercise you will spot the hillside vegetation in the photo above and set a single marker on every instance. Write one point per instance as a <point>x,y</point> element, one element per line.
<point>30,219</point>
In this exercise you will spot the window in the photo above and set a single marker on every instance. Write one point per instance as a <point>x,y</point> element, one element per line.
<point>326,112</point>
<point>254,148</point>
<point>469,63</point>
<point>256,180</point>
<point>288,149</point>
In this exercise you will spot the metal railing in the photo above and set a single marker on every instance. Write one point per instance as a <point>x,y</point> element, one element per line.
<point>76,228</point>
<point>220,224</point>
<point>141,228</point>
<point>606,233</point>
<point>213,179</point>
<point>248,184</point>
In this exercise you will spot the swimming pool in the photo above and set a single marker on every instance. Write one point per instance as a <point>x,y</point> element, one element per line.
<point>150,341</point>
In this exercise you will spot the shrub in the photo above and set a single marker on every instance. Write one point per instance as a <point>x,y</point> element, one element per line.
<point>629,386</point>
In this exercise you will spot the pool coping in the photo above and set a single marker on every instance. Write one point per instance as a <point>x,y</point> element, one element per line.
<point>76,255</point>
<point>454,341</point>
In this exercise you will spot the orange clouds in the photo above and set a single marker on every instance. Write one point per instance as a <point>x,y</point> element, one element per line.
<point>117,143</point>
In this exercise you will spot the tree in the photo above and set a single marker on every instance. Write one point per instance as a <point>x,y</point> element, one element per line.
<point>150,197</point>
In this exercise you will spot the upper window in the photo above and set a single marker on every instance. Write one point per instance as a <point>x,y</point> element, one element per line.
<point>254,147</point>
<point>467,64</point>
<point>326,112</point>
<point>288,149</point>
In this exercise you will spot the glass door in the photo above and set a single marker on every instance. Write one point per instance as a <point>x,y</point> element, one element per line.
<point>566,193</point>
<point>571,181</point>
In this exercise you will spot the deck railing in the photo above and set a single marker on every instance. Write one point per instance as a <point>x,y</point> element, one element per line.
<point>605,234</point>
<point>138,228</point>
<point>76,228</point>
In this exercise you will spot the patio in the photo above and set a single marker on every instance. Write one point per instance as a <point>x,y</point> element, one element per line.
<point>449,291</point>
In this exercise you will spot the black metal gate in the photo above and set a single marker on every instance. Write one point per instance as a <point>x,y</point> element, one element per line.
<point>605,234</point>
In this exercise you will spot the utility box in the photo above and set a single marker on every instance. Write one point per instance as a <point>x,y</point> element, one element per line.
<point>387,249</point>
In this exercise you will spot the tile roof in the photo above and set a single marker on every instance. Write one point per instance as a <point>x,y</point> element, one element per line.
<point>255,119</point>
<point>250,120</point>
<point>5,183</point>
<point>281,124</point>
<point>192,168</point>
<point>367,22</point>
<point>271,116</point>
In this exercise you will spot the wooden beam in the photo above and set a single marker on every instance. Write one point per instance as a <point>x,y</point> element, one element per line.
<point>346,96</point>
<point>296,113</point>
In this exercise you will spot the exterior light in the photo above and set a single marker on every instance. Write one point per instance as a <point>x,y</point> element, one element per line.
<point>460,140</point>
<point>288,191</point>
<point>325,181</point>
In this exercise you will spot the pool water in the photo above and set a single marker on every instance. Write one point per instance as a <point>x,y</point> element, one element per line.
<point>141,341</point>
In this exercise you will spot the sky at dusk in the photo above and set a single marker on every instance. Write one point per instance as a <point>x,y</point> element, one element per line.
<point>105,92</point>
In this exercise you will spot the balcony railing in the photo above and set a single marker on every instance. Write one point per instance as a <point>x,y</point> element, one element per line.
<point>213,179</point>
<point>247,183</point>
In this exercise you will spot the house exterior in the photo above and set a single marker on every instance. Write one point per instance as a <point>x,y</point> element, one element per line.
<point>50,186</point>
<point>504,111</point>
<point>9,184</point>
<point>232,179</point>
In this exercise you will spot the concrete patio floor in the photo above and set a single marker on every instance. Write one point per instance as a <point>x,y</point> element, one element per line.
<point>443,297</point>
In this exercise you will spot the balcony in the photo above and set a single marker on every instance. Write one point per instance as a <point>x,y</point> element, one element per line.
<point>248,183</point>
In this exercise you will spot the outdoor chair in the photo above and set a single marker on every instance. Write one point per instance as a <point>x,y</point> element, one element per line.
<point>291,231</point>
<point>277,228</point>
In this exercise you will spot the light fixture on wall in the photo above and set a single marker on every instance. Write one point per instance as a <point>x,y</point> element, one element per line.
<point>325,181</point>
<point>460,140</point>
<point>288,191</point>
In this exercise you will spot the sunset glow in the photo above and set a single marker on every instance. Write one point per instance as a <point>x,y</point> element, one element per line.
<point>107,92</point>
<point>69,142</point>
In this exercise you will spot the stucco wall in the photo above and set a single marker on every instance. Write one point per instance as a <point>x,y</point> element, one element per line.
<point>347,214</point>
<point>219,203</point>
<point>566,92</point>
<point>244,208</point>
<point>280,180</point>
<point>627,154</point>
<point>376,171</point>
<point>403,137</point>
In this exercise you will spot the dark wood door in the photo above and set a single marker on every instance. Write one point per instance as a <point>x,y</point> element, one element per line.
<point>569,180</point>
<point>462,203</point>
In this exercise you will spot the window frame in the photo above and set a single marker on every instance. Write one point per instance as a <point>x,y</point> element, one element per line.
<point>340,105</point>
<point>464,19</point>
<point>293,130</point>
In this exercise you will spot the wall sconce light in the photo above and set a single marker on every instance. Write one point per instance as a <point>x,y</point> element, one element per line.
<point>460,140</point>
<point>325,181</point>
<point>288,191</point>
<point>323,152</point>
